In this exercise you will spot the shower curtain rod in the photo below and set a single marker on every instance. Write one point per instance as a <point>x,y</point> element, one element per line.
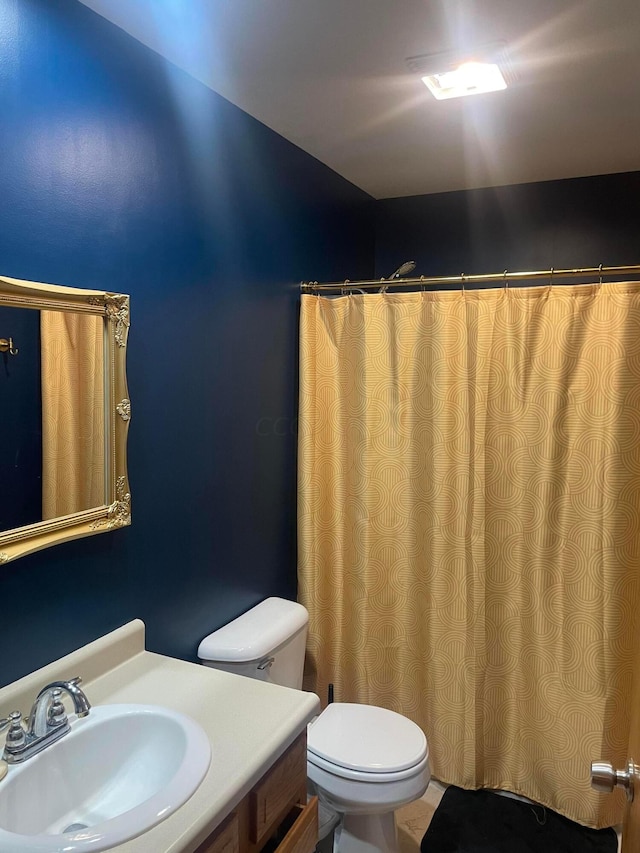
<point>505,277</point>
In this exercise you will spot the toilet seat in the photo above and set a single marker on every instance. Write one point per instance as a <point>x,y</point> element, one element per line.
<point>364,776</point>
<point>366,743</point>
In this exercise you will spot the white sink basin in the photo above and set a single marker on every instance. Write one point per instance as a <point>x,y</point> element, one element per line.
<point>119,771</point>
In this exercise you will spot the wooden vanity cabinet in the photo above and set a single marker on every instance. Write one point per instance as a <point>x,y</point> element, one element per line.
<point>275,816</point>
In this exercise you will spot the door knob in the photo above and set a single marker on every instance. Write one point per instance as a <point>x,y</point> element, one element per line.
<point>604,778</point>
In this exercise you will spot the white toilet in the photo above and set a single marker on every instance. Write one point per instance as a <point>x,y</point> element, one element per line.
<point>363,761</point>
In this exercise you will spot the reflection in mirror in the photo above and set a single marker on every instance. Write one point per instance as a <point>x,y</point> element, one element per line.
<point>65,414</point>
<point>21,421</point>
<point>52,431</point>
<point>73,434</point>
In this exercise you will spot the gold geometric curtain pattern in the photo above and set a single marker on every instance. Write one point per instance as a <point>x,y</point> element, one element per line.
<point>73,437</point>
<point>469,530</point>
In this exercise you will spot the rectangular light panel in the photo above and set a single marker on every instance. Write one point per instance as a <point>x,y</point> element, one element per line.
<point>470,78</point>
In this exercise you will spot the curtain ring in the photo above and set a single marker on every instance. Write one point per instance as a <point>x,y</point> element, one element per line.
<point>422,283</point>
<point>462,283</point>
<point>600,281</point>
<point>506,280</point>
<point>550,284</point>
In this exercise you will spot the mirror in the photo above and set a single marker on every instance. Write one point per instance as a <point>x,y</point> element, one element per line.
<point>65,415</point>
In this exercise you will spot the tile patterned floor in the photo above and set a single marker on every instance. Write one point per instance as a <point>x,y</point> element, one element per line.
<point>413,819</point>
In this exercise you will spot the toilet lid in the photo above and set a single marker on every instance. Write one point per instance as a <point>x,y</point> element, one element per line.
<point>366,738</point>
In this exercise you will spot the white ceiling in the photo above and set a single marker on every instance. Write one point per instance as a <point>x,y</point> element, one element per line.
<point>330,76</point>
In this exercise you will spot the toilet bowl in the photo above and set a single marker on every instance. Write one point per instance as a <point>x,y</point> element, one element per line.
<point>362,761</point>
<point>365,762</point>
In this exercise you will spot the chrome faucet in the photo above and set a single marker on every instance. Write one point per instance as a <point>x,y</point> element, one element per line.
<point>45,711</point>
<point>47,721</point>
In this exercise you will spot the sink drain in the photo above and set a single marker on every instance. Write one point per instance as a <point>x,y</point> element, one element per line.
<point>74,827</point>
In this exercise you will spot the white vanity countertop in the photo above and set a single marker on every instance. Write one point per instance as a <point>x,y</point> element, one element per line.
<point>249,723</point>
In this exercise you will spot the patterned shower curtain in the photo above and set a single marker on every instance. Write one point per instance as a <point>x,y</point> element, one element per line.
<point>469,525</point>
<point>73,425</point>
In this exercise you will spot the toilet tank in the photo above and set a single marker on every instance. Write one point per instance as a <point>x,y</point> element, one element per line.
<point>267,643</point>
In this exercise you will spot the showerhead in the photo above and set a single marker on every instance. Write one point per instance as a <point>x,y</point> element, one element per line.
<point>403,269</point>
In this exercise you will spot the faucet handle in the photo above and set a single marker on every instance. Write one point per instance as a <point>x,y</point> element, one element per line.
<point>56,716</point>
<point>5,722</point>
<point>16,736</point>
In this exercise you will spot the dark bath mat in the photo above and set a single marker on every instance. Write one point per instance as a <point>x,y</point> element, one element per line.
<point>485,822</point>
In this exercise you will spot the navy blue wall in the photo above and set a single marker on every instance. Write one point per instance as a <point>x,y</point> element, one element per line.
<point>119,172</point>
<point>578,222</point>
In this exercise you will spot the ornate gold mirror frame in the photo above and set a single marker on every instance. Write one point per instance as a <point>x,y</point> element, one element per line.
<point>116,511</point>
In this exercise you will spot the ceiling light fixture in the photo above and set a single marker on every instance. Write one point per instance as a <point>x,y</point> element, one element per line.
<point>449,75</point>
<point>470,78</point>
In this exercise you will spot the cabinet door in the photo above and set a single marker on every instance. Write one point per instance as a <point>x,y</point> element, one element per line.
<point>225,839</point>
<point>278,791</point>
<point>303,835</point>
